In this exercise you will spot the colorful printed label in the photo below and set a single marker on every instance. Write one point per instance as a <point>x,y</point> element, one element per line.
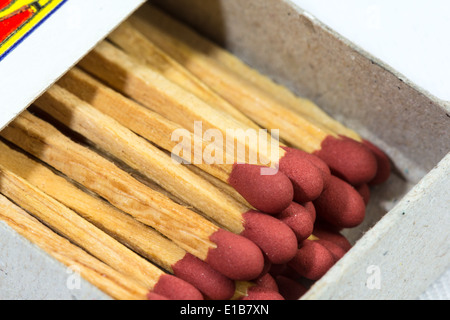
<point>18,18</point>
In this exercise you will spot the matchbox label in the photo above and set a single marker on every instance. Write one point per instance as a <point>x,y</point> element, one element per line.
<point>18,18</point>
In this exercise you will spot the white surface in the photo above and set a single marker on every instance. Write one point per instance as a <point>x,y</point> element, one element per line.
<point>411,36</point>
<point>53,48</point>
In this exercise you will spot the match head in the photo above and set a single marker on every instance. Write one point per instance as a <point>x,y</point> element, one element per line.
<point>213,284</point>
<point>310,207</point>
<point>383,163</point>
<point>306,177</point>
<point>154,297</point>
<point>235,256</point>
<point>173,288</point>
<point>312,260</point>
<point>267,281</point>
<point>289,288</point>
<point>364,191</point>
<point>340,205</point>
<point>324,232</point>
<point>276,240</point>
<point>261,293</point>
<point>269,193</point>
<point>348,159</point>
<point>299,219</point>
<point>336,251</point>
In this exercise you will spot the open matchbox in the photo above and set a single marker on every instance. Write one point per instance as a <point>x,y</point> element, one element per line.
<point>405,235</point>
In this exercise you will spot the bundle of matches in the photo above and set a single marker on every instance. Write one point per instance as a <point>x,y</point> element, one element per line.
<point>232,257</point>
<point>207,230</point>
<point>183,86</point>
<point>310,177</point>
<point>304,124</point>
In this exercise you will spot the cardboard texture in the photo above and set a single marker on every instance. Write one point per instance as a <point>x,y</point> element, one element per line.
<point>28,273</point>
<point>405,238</point>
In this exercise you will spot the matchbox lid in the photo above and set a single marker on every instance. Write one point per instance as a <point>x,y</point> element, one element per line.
<point>41,39</point>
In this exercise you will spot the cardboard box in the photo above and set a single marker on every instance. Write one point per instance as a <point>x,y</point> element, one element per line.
<point>403,246</point>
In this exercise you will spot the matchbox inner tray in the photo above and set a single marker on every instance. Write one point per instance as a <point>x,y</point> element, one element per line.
<point>405,234</point>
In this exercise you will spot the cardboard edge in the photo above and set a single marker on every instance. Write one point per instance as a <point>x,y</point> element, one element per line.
<point>444,104</point>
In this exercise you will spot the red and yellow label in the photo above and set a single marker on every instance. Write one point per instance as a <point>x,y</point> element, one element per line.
<point>20,17</point>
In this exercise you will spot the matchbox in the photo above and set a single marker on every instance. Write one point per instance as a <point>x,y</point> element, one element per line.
<point>402,246</point>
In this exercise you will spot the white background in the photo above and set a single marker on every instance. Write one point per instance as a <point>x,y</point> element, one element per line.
<point>412,36</point>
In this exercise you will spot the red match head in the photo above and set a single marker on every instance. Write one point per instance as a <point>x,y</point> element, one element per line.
<point>312,261</point>
<point>154,296</point>
<point>235,256</point>
<point>267,281</point>
<point>269,193</point>
<point>211,283</point>
<point>383,163</point>
<point>262,293</point>
<point>275,238</point>
<point>289,288</point>
<point>299,219</point>
<point>306,177</point>
<point>340,205</point>
<point>326,232</point>
<point>173,288</point>
<point>348,159</point>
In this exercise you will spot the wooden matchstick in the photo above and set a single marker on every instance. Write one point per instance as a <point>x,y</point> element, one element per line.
<point>107,279</point>
<point>96,242</point>
<point>150,88</point>
<point>231,254</point>
<point>135,235</point>
<point>346,157</point>
<point>119,141</point>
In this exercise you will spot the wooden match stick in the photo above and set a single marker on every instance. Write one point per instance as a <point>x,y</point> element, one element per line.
<point>96,242</point>
<point>231,254</point>
<point>134,79</point>
<point>130,232</point>
<point>107,279</point>
<point>346,157</point>
<point>115,139</point>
